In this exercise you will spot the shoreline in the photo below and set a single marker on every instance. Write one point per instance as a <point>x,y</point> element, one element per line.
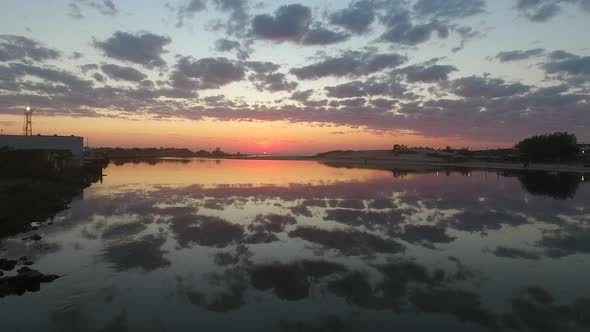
<point>472,165</point>
<point>401,163</point>
<point>391,163</point>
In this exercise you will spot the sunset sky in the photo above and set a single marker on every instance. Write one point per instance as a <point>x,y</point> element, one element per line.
<point>296,76</point>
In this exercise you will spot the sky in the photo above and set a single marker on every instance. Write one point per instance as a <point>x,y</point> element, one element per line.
<point>295,77</point>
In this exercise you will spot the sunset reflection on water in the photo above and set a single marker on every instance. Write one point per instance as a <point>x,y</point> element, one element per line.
<point>304,246</point>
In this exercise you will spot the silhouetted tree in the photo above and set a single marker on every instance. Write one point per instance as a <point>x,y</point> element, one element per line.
<point>555,146</point>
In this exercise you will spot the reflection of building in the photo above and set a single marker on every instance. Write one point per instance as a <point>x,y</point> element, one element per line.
<point>399,174</point>
<point>73,144</point>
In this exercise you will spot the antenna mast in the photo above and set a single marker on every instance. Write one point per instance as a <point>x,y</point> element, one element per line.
<point>28,127</point>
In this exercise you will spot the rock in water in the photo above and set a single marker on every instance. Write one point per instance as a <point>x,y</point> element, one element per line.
<point>27,279</point>
<point>7,264</point>
<point>35,237</point>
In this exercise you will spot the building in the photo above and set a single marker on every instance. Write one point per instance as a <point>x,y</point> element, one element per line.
<point>73,144</point>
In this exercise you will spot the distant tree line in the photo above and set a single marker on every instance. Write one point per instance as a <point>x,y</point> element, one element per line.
<point>158,153</point>
<point>143,152</point>
<point>557,146</point>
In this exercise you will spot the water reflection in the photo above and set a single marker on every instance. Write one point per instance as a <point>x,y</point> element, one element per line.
<point>555,185</point>
<point>301,246</point>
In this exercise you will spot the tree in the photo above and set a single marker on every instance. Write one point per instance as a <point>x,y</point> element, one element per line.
<point>555,146</point>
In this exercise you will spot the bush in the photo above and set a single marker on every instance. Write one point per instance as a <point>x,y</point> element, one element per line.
<point>555,146</point>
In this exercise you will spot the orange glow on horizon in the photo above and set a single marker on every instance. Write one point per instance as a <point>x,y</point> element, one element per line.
<point>231,136</point>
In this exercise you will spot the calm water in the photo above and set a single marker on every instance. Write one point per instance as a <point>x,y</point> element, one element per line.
<point>300,246</point>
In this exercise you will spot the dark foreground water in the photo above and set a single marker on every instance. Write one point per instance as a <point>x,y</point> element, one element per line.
<point>300,246</point>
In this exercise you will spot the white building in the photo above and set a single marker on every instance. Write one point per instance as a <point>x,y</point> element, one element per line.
<point>74,144</point>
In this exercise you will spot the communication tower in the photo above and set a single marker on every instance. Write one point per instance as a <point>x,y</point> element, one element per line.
<point>28,127</point>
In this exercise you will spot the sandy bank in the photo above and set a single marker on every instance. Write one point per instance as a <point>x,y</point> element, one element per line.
<point>418,158</point>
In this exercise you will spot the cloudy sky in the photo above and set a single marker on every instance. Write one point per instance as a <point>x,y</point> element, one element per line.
<point>296,76</point>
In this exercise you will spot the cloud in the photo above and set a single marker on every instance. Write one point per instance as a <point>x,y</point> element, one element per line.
<point>466,34</point>
<point>545,10</point>
<point>517,55</point>
<point>266,78</point>
<point>349,242</point>
<point>239,16</point>
<point>24,49</point>
<point>58,92</point>
<point>274,82</point>
<point>572,69</point>
<point>513,107</point>
<point>195,6</point>
<point>76,56</point>
<point>323,36</point>
<point>448,9</point>
<point>515,253</point>
<point>350,64</point>
<point>289,22</point>
<point>205,231</point>
<point>352,103</point>
<point>346,90</point>
<point>143,48</point>
<point>209,73</point>
<point>367,88</point>
<point>538,10</point>
<point>291,282</point>
<point>88,67</point>
<point>260,67</point>
<point>401,30</point>
<point>357,18</point>
<point>475,86</point>
<point>98,77</point>
<point>206,73</point>
<point>189,9</point>
<point>561,55</point>
<point>52,75</point>
<point>513,115</point>
<point>462,304</point>
<point>384,103</point>
<point>227,45</point>
<point>425,235</point>
<point>412,25</point>
<point>302,95</point>
<point>145,254</point>
<point>263,228</point>
<point>105,7</point>
<point>123,73</point>
<point>534,308</point>
<point>571,66</point>
<point>427,74</point>
<point>568,240</point>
